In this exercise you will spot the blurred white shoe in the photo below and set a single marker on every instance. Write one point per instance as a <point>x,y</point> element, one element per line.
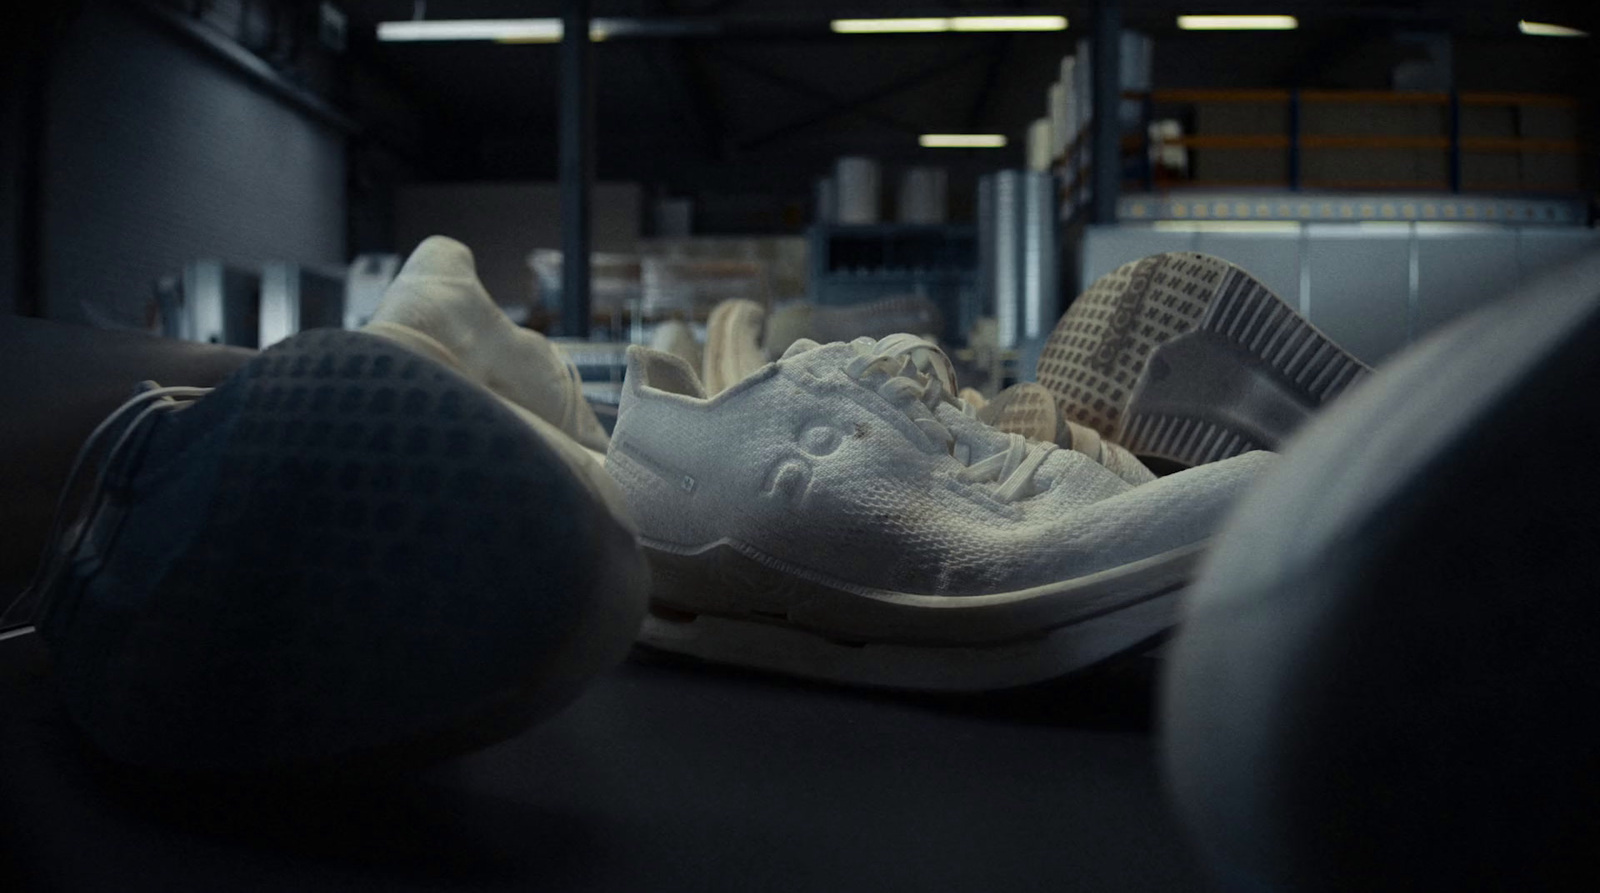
<point>733,343</point>
<point>437,306</point>
<point>675,337</point>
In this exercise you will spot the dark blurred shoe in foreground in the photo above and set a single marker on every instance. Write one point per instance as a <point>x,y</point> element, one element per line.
<point>1388,674</point>
<point>348,553</point>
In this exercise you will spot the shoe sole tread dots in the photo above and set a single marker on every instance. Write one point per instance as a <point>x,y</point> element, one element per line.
<point>366,560</point>
<point>727,603</point>
<point>1188,358</point>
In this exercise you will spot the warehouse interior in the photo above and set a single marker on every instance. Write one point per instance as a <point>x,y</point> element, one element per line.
<point>235,172</point>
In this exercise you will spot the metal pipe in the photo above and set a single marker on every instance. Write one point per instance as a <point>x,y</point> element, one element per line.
<point>1106,59</point>
<point>577,166</point>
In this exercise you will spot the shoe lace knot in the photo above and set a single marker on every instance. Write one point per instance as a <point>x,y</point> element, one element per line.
<point>916,376</point>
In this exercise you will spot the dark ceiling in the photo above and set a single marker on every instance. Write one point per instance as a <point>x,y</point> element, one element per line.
<point>762,114</point>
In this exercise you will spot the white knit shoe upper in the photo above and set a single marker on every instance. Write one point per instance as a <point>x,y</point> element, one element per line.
<point>851,463</point>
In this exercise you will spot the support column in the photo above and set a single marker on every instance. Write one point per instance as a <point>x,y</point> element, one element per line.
<point>576,165</point>
<point>1106,59</point>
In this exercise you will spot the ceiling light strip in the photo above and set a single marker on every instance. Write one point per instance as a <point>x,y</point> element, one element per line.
<point>1545,29</point>
<point>1238,23</point>
<point>951,23</point>
<point>962,141</point>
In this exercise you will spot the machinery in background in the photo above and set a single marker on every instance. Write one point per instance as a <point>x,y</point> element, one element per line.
<point>219,303</point>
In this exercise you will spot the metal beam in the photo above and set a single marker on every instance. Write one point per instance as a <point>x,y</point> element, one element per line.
<point>695,92</point>
<point>1106,128</point>
<point>991,75</point>
<point>577,166</point>
<point>899,85</point>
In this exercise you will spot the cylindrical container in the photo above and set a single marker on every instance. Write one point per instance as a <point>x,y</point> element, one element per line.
<point>1041,301</point>
<point>1039,151</point>
<point>857,182</point>
<point>1003,236</point>
<point>922,197</point>
<point>1060,126</point>
<point>827,201</point>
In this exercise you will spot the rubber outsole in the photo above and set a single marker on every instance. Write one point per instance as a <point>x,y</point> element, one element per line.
<point>1190,359</point>
<point>345,553</point>
<point>728,604</point>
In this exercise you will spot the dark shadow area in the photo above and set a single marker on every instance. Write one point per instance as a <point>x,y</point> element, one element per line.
<point>1117,695</point>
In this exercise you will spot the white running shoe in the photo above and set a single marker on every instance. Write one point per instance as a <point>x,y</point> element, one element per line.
<point>733,343</point>
<point>839,515</point>
<point>437,307</point>
<point>1029,409</point>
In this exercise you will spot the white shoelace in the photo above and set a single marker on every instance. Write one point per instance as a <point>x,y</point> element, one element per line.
<point>918,373</point>
<point>21,614</point>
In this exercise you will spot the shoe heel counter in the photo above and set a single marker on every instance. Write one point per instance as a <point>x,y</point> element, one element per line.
<point>642,462</point>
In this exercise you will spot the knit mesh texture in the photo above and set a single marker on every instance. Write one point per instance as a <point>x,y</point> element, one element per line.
<point>809,466</point>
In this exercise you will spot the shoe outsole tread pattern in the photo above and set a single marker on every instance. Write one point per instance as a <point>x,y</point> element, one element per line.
<point>1028,411</point>
<point>343,546</point>
<point>1095,362</point>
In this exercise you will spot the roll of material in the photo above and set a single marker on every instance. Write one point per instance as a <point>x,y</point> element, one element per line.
<point>857,183</point>
<point>1019,272</point>
<point>1040,278</point>
<point>1040,135</point>
<point>1060,125</point>
<point>922,197</point>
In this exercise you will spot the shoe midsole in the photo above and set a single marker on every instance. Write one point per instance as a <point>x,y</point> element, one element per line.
<point>732,579</point>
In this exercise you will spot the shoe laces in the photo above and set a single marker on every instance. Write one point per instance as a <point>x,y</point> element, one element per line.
<point>62,544</point>
<point>917,377</point>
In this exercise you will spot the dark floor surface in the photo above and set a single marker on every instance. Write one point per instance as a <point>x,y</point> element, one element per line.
<point>664,776</point>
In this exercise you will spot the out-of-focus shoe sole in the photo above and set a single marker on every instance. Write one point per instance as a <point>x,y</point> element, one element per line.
<point>729,604</point>
<point>1188,358</point>
<point>1029,409</point>
<point>346,554</point>
<point>1386,677</point>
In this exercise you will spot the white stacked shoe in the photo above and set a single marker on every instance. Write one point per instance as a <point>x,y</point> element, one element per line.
<point>438,307</point>
<point>839,515</point>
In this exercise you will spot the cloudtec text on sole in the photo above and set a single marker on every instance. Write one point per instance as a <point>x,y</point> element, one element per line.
<point>1188,358</point>
<point>345,554</point>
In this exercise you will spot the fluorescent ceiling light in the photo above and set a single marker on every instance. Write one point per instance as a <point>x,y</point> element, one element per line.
<point>1544,29</point>
<point>961,141</point>
<point>889,26</point>
<point>1238,23</point>
<point>502,30</point>
<point>953,23</point>
<point>1008,23</point>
